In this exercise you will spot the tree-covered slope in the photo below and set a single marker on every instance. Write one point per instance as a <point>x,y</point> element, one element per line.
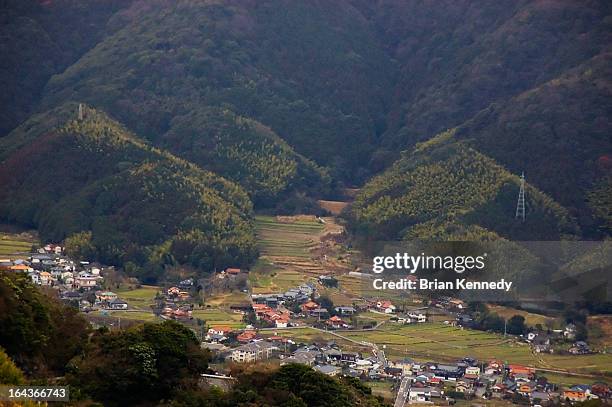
<point>39,39</point>
<point>458,57</point>
<point>312,72</point>
<point>559,134</point>
<point>141,204</point>
<point>32,324</point>
<point>446,190</point>
<point>244,151</point>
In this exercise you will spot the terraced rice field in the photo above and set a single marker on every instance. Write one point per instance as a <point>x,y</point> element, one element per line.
<point>285,245</point>
<point>286,238</point>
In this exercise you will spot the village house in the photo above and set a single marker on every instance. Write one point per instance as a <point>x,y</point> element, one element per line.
<point>246,336</point>
<point>472,372</point>
<point>117,304</point>
<point>218,333</point>
<point>345,310</point>
<point>328,370</point>
<point>575,395</point>
<point>86,281</point>
<point>336,322</point>
<point>308,307</point>
<point>416,317</point>
<point>45,278</point>
<point>385,306</point>
<point>419,395</point>
<point>105,296</point>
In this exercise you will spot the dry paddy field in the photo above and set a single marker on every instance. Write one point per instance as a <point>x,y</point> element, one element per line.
<point>285,245</point>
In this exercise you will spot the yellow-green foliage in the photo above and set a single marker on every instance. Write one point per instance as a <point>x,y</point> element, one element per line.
<point>242,150</point>
<point>446,190</point>
<point>138,202</point>
<point>9,373</point>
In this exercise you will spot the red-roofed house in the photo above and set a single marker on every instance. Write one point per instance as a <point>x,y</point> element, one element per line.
<point>385,306</point>
<point>309,306</point>
<point>336,322</point>
<point>246,336</point>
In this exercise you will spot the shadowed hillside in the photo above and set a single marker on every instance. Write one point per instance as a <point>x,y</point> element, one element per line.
<point>140,204</point>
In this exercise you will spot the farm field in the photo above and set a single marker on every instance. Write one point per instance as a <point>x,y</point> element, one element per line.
<point>217,317</point>
<point>139,298</point>
<point>383,389</point>
<point>569,381</point>
<point>285,244</point>
<point>333,207</point>
<point>531,319</point>
<point>130,315</point>
<point>14,243</point>
<point>227,299</point>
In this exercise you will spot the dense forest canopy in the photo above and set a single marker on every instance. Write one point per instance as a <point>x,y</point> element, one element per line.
<point>142,205</point>
<point>292,101</point>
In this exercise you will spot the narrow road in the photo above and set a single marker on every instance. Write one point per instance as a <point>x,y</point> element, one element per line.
<point>402,392</point>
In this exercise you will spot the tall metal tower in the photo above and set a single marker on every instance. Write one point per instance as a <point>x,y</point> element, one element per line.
<point>520,205</point>
<point>80,112</point>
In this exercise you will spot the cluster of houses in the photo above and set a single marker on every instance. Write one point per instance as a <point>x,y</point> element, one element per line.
<point>429,383</point>
<point>175,302</point>
<point>543,342</point>
<point>49,267</point>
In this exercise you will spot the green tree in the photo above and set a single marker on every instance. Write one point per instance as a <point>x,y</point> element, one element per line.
<point>516,325</point>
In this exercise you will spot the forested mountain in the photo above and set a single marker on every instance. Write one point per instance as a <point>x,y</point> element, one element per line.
<point>446,190</point>
<point>39,39</point>
<point>142,205</point>
<point>312,72</point>
<point>293,100</point>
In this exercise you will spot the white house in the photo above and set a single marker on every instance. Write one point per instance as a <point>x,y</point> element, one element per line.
<point>252,352</point>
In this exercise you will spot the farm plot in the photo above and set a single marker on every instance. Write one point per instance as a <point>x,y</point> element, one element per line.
<point>280,237</point>
<point>285,244</point>
<point>12,244</point>
<point>140,298</point>
<point>219,317</point>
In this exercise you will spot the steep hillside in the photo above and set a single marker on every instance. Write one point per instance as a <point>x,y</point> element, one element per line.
<point>141,205</point>
<point>39,39</point>
<point>446,190</point>
<point>293,99</point>
<point>244,151</point>
<point>457,57</point>
<point>312,72</point>
<point>559,134</point>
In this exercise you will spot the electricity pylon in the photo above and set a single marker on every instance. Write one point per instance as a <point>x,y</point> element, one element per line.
<point>520,205</point>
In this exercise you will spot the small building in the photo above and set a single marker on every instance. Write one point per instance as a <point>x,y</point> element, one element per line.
<point>345,310</point>
<point>86,281</point>
<point>117,304</point>
<point>309,306</point>
<point>336,322</point>
<point>328,370</point>
<point>252,352</point>
<point>105,296</point>
<point>385,306</point>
